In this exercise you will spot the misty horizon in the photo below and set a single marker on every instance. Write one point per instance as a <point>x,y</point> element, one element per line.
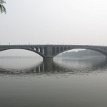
<point>54,22</point>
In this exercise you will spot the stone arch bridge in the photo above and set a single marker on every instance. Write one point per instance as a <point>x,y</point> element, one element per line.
<point>49,51</point>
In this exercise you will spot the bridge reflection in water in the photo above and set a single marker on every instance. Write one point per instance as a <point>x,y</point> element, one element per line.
<point>58,66</point>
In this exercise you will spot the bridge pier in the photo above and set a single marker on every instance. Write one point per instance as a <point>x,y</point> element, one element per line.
<point>48,64</point>
<point>48,59</point>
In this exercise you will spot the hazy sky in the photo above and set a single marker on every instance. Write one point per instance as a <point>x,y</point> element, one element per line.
<point>54,22</point>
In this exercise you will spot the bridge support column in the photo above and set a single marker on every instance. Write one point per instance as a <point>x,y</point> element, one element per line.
<point>48,59</point>
<point>48,54</point>
<point>48,64</point>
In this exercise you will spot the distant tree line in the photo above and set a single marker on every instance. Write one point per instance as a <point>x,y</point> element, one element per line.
<point>2,7</point>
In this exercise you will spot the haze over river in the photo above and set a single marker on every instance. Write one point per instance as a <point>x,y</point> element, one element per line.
<point>65,82</point>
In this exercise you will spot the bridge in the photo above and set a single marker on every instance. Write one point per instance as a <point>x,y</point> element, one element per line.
<point>48,52</point>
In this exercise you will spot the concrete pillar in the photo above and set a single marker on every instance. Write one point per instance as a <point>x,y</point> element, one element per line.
<point>61,49</point>
<point>48,52</point>
<point>37,49</point>
<point>41,50</point>
<point>57,49</point>
<point>48,59</point>
<point>53,51</point>
<point>48,64</point>
<point>45,51</point>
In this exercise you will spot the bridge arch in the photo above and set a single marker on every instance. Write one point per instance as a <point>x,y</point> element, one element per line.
<point>80,48</point>
<point>25,49</point>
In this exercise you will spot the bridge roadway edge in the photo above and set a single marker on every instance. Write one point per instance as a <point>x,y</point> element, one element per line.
<point>50,51</point>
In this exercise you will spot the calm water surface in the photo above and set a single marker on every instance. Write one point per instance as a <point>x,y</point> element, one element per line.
<point>29,82</point>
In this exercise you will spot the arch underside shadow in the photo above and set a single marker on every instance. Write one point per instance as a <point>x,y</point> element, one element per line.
<point>24,49</point>
<point>93,49</point>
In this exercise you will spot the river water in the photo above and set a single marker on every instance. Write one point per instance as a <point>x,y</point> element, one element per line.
<point>65,82</point>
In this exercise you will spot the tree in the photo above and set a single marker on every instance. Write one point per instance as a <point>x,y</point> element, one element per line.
<point>2,8</point>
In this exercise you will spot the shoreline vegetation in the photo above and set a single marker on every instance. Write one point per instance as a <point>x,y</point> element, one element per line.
<point>2,7</point>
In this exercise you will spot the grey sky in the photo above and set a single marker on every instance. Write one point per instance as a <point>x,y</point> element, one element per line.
<point>54,22</point>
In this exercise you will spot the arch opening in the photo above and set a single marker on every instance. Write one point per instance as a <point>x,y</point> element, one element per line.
<point>81,60</point>
<point>19,53</point>
<point>18,59</point>
<point>81,54</point>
